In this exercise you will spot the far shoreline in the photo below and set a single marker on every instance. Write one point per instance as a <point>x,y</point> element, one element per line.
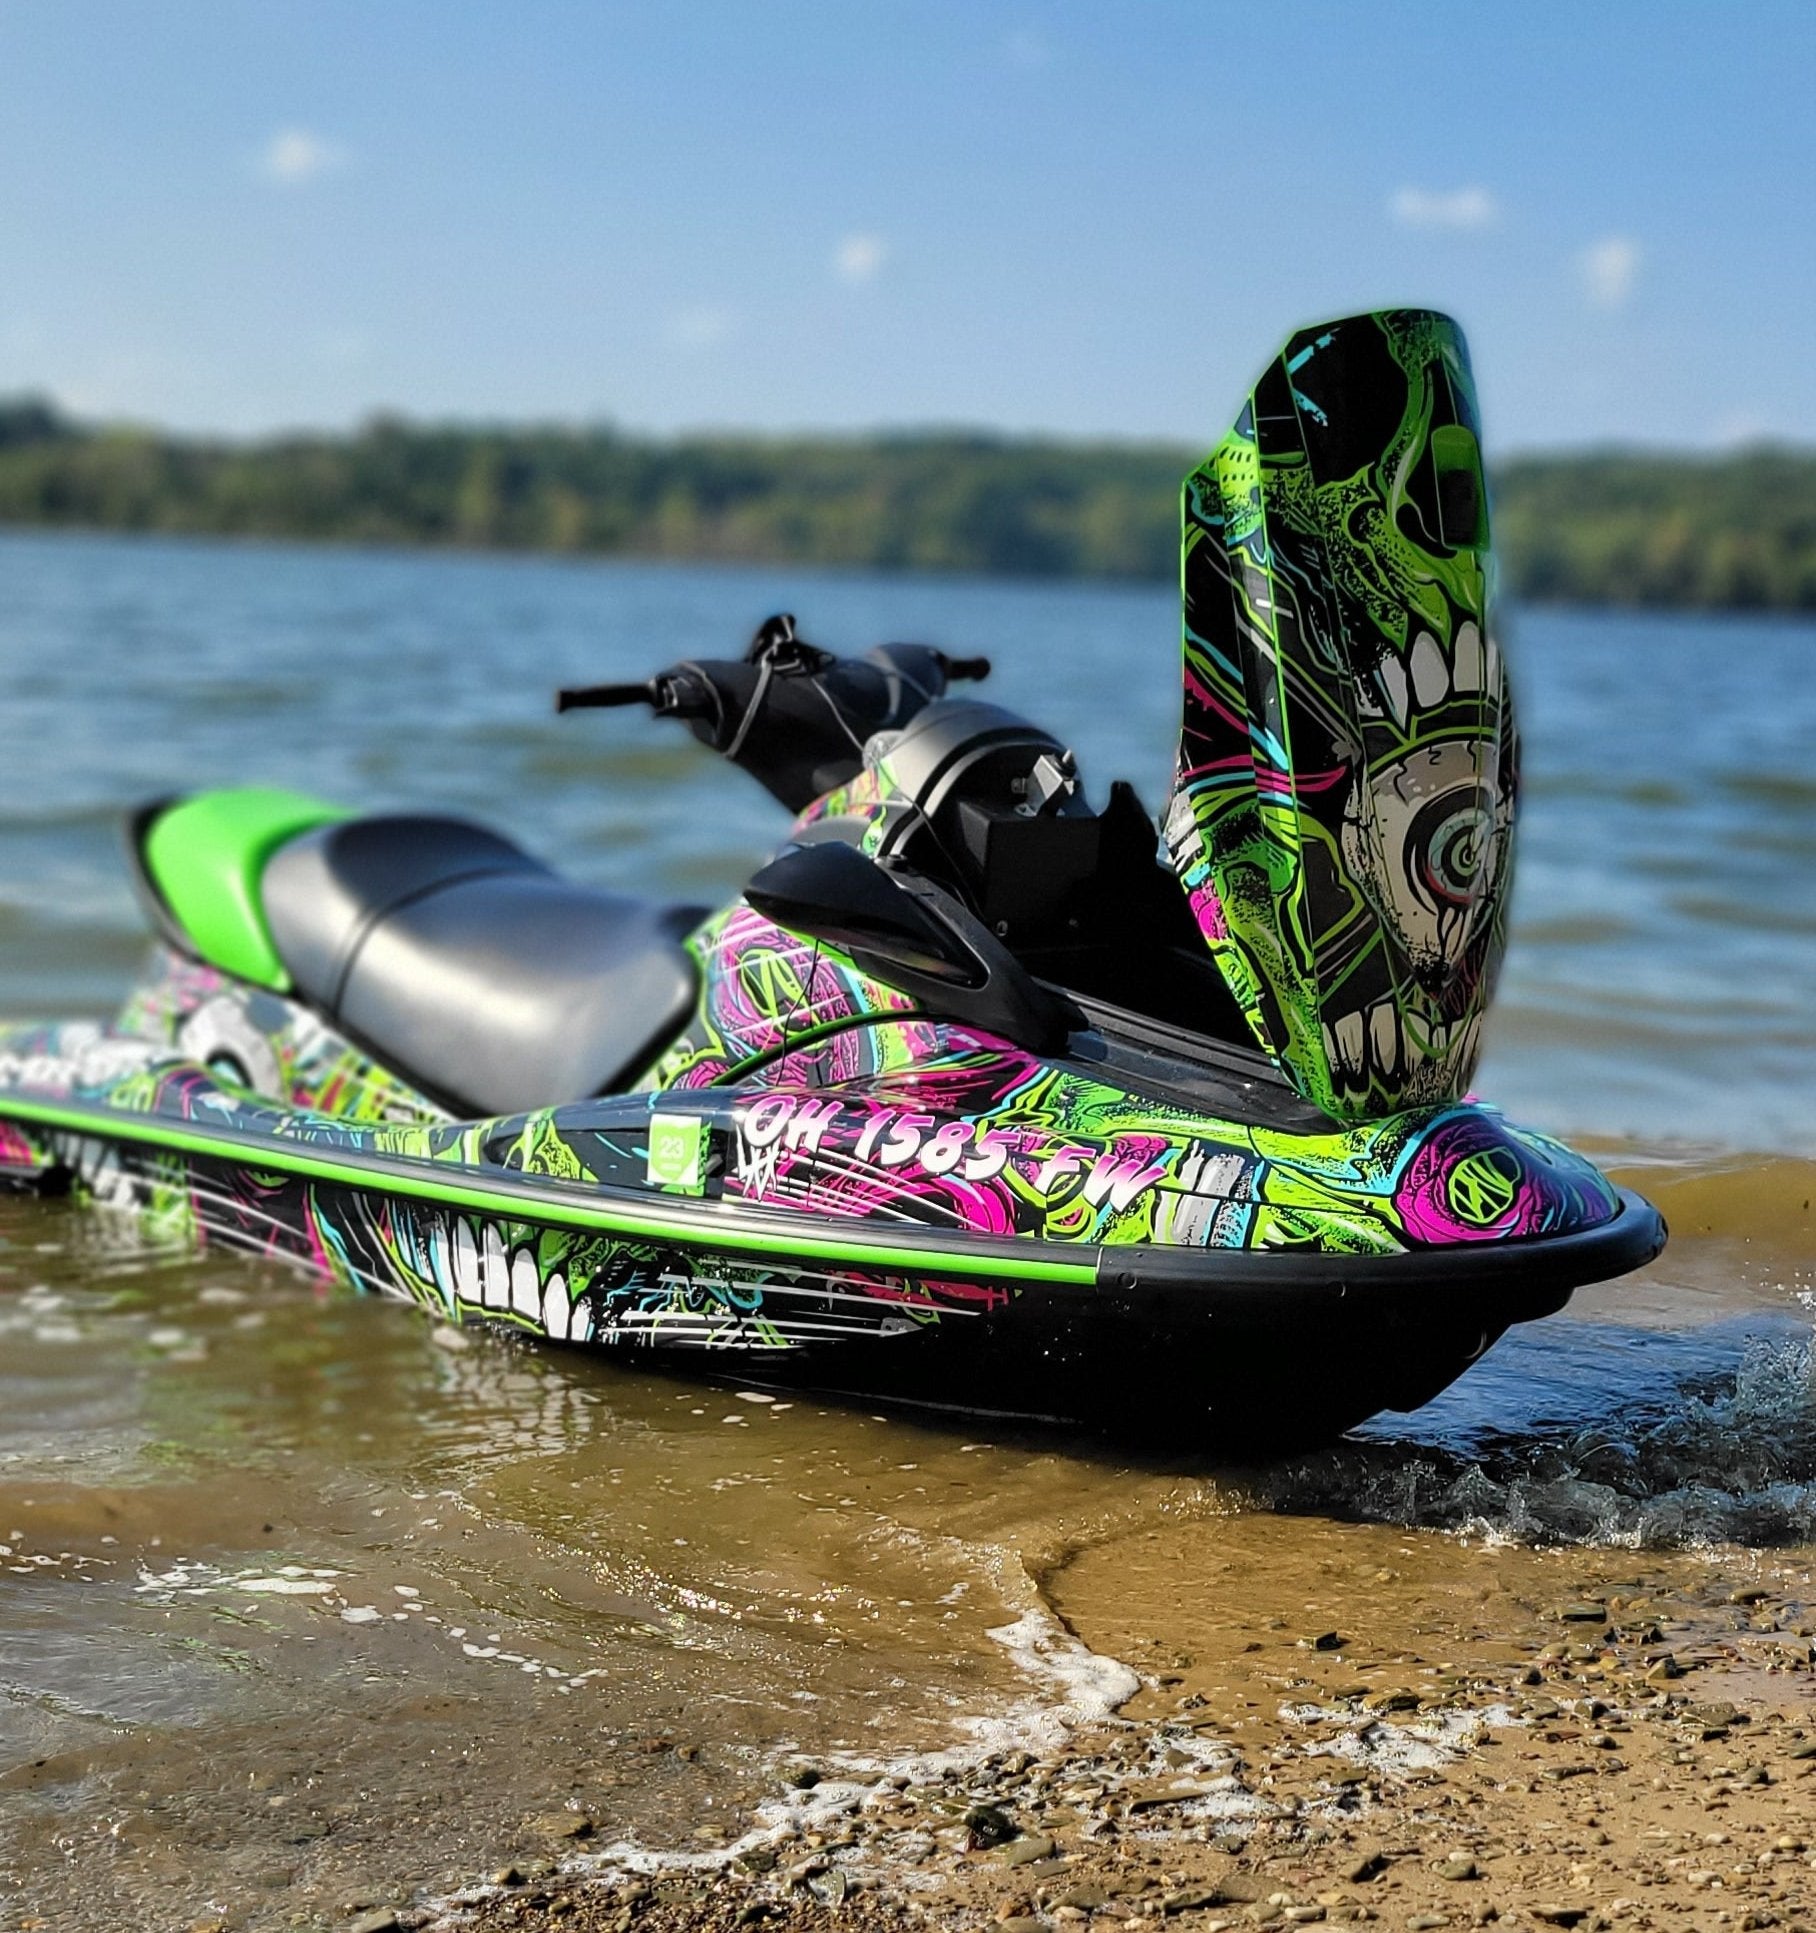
<point>461,550</point>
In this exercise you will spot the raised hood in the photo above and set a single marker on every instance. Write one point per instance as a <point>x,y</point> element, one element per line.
<point>1343,810</point>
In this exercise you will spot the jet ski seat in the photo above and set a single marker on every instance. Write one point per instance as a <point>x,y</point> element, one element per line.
<point>469,967</point>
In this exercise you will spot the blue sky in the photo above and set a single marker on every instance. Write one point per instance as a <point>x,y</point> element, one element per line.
<point>1093,220</point>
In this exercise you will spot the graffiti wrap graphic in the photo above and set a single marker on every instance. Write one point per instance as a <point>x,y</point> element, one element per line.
<point>1342,819</point>
<point>818,1159</point>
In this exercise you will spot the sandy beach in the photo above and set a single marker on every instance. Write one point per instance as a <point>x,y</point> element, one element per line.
<point>1483,1735</point>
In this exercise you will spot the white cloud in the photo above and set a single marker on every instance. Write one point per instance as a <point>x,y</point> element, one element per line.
<point>293,156</point>
<point>1444,208</point>
<point>1742,426</point>
<point>1026,47</point>
<point>1609,269</point>
<point>702,328</point>
<point>858,258</point>
<point>343,348</point>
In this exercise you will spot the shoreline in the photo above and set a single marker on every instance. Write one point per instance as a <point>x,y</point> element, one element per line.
<point>1635,1752</point>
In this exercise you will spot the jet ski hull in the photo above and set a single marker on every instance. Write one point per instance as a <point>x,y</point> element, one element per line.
<point>1238,1348</point>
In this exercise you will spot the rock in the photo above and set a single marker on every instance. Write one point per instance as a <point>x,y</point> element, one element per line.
<point>1805,1748</point>
<point>1584,1611</point>
<point>508,1876</point>
<point>1027,1849</point>
<point>1458,1865</point>
<point>1189,1899</point>
<point>1662,1670</point>
<point>805,1777</point>
<point>561,1825</point>
<point>1325,1641</point>
<point>1167,1792</point>
<point>1717,1712</point>
<point>1748,1594</point>
<point>384,1920</point>
<point>1426,1922</point>
<point>1401,1700</point>
<point>1368,1867</point>
<point>1558,1912</point>
<point>1022,1923</point>
<point>1304,1915</point>
<point>989,1826</point>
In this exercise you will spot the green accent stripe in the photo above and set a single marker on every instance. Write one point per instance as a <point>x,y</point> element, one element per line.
<point>528,1198</point>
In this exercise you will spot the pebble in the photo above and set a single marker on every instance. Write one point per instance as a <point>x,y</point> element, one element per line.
<point>1585,1611</point>
<point>1458,1866</point>
<point>1426,1922</point>
<point>1027,1849</point>
<point>384,1920</point>
<point>1400,1700</point>
<point>988,1825</point>
<point>561,1825</point>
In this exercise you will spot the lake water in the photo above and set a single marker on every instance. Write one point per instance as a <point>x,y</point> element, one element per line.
<point>298,1602</point>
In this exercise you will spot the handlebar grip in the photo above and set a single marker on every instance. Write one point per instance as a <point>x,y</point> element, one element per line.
<point>961,670</point>
<point>601,697</point>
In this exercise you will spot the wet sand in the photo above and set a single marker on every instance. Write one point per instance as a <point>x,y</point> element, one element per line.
<point>1341,1725</point>
<point>314,1613</point>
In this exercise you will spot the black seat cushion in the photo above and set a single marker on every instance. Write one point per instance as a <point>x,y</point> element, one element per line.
<point>473,969</point>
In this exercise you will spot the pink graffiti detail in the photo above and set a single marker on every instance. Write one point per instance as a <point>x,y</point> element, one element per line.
<point>861,1157</point>
<point>1541,1197</point>
<point>1207,910</point>
<point>930,1295</point>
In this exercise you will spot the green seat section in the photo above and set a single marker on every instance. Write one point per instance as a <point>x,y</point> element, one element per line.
<point>205,857</point>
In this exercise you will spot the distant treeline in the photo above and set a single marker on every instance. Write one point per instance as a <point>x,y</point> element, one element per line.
<point>1737,530</point>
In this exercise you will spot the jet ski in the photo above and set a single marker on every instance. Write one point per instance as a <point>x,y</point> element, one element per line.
<point>979,1096</point>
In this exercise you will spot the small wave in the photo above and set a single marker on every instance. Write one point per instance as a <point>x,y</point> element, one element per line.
<point>1732,1461</point>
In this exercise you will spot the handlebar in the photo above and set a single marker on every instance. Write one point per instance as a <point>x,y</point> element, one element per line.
<point>964,670</point>
<point>674,694</point>
<point>794,716</point>
<point>602,697</point>
<point>681,693</point>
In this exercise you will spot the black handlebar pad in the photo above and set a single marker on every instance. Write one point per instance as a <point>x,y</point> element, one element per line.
<point>791,715</point>
<point>800,731</point>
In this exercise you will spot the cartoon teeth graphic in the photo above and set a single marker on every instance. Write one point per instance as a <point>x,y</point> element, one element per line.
<point>1211,1200</point>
